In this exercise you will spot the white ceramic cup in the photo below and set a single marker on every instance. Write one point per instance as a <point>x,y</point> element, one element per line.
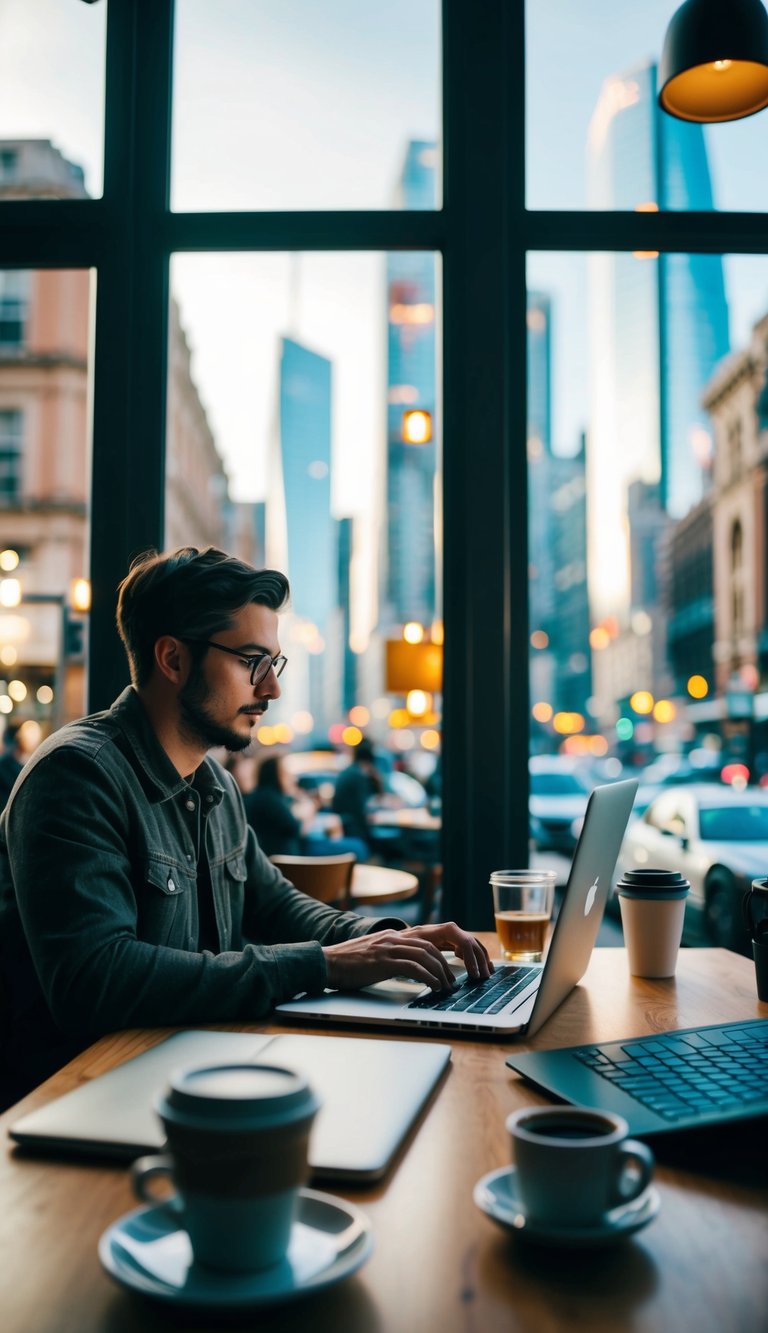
<point>574,1166</point>
<point>238,1141</point>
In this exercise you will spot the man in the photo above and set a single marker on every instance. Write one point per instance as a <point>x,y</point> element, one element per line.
<point>134,893</point>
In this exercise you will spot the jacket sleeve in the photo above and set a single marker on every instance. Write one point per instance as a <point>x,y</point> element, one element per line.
<point>69,836</point>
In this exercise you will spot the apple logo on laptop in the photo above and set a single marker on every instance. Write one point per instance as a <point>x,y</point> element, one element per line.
<point>590,898</point>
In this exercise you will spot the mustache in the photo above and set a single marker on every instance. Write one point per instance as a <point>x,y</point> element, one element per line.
<point>254,709</point>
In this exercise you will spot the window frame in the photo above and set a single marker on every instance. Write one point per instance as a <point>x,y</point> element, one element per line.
<point>128,236</point>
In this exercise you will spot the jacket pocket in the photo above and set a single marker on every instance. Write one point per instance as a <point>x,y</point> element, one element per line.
<point>231,876</point>
<point>165,913</point>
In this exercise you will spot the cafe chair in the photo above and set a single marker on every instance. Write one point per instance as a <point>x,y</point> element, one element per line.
<point>327,878</point>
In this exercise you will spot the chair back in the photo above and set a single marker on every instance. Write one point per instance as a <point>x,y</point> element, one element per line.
<point>327,878</point>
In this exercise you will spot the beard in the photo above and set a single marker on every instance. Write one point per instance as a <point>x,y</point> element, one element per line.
<point>196,721</point>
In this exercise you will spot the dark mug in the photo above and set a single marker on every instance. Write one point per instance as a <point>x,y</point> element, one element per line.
<point>755,908</point>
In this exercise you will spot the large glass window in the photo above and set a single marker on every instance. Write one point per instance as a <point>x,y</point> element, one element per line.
<point>44,504</point>
<point>52,58</point>
<point>307,440</point>
<point>595,135</point>
<point>305,106</point>
<point>645,566</point>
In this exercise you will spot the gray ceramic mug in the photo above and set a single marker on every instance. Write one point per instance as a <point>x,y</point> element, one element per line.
<point>238,1141</point>
<point>755,907</point>
<point>574,1166</point>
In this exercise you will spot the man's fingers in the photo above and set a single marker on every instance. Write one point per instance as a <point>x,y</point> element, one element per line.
<point>430,963</point>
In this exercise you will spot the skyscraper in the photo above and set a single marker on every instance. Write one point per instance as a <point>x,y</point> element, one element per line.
<point>659,325</point>
<point>409,560</point>
<point>308,540</point>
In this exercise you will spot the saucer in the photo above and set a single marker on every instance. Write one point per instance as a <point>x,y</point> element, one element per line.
<point>147,1252</point>
<point>496,1195</point>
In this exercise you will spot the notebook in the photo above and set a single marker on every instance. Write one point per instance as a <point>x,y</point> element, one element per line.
<point>358,1129</point>
<point>670,1080</point>
<point>514,1000</point>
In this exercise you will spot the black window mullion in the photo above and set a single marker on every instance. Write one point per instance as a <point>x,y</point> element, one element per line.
<point>485,737</point>
<point>128,478</point>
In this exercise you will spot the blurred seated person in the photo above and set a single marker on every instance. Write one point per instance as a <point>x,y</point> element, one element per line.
<point>11,760</point>
<point>355,787</point>
<point>242,768</point>
<point>284,818</point>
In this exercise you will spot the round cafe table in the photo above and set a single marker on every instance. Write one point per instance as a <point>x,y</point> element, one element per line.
<point>407,817</point>
<point>381,884</point>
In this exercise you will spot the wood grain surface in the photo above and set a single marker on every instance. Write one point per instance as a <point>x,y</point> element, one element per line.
<point>439,1265</point>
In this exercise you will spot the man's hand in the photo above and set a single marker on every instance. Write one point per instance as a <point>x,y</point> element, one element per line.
<point>414,952</point>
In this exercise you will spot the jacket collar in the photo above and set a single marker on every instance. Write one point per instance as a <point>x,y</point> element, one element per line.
<point>162,781</point>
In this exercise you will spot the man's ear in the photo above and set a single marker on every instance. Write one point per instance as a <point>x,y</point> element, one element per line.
<point>171,659</point>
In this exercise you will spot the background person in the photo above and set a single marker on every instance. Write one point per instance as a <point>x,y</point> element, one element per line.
<point>283,818</point>
<point>356,785</point>
<point>11,760</point>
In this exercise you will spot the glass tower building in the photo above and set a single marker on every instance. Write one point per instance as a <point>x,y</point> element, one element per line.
<point>410,579</point>
<point>658,327</point>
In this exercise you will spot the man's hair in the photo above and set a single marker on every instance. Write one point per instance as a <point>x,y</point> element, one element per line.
<point>190,594</point>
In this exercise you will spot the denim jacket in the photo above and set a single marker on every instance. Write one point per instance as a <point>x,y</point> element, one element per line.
<point>98,891</point>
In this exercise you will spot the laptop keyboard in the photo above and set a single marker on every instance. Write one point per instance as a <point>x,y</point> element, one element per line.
<point>480,997</point>
<point>681,1074</point>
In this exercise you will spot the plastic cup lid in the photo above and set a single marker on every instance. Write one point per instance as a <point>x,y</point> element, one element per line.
<point>651,882</point>
<point>241,1094</point>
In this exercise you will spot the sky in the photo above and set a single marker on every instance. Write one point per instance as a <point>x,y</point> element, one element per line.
<point>297,105</point>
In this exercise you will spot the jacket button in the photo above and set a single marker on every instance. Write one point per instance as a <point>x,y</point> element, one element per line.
<point>171,885</point>
<point>190,804</point>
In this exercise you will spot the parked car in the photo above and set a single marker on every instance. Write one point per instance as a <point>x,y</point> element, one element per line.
<point>558,798</point>
<point>718,839</point>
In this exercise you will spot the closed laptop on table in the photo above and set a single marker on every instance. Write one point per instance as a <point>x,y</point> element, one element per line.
<point>371,1093</point>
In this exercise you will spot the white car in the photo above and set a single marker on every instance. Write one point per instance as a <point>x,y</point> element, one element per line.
<point>558,799</point>
<point>718,839</point>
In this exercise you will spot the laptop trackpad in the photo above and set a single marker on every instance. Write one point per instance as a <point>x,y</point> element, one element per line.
<point>404,989</point>
<point>400,989</point>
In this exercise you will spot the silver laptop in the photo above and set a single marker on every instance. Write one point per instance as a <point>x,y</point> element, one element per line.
<point>356,1135</point>
<point>516,999</point>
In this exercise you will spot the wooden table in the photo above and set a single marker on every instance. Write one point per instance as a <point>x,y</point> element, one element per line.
<point>438,1263</point>
<point>381,884</point>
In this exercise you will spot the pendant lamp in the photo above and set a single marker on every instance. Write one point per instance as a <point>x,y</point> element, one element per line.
<point>714,65</point>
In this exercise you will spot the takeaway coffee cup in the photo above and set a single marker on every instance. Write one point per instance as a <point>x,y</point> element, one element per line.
<point>238,1139</point>
<point>574,1166</point>
<point>755,903</point>
<point>652,905</point>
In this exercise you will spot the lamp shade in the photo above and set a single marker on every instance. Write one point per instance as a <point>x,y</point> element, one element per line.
<point>413,666</point>
<point>714,65</point>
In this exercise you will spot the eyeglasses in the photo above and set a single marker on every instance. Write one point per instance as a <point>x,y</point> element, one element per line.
<point>259,664</point>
